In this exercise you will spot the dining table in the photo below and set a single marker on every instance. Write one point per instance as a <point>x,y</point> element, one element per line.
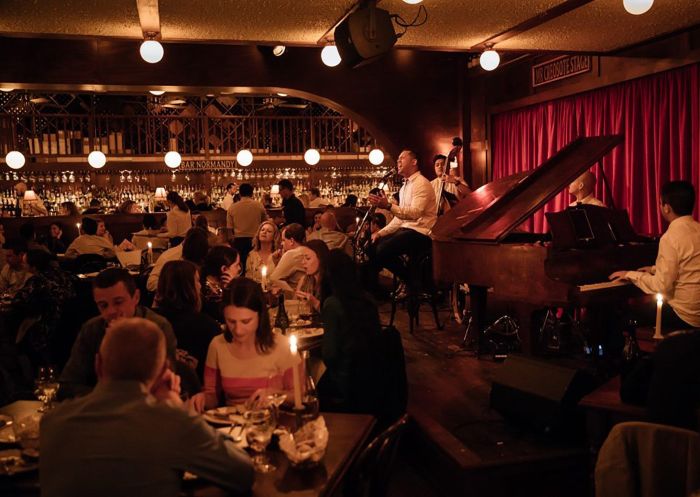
<point>348,435</point>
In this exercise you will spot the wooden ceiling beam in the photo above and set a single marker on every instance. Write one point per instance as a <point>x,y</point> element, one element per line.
<point>149,17</point>
<point>533,22</point>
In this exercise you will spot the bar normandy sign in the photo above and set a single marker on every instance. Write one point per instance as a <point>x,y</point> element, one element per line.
<point>560,68</point>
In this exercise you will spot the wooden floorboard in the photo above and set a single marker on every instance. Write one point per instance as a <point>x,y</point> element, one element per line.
<point>458,445</point>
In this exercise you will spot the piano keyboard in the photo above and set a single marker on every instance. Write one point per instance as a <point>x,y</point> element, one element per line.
<point>603,285</point>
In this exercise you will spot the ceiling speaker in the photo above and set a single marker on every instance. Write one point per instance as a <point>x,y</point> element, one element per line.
<point>364,35</point>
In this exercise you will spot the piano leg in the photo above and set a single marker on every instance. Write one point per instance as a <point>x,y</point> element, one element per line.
<point>477,306</point>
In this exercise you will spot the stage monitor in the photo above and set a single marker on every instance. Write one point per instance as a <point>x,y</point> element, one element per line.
<point>365,35</point>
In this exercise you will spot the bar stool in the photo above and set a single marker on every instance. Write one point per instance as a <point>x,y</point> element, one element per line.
<point>422,290</point>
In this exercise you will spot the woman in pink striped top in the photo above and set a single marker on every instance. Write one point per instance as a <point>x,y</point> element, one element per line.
<point>247,357</point>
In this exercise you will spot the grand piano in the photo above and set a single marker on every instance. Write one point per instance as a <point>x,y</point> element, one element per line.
<point>477,242</point>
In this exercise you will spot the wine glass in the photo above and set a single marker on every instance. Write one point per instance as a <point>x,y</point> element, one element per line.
<point>259,428</point>
<point>46,387</point>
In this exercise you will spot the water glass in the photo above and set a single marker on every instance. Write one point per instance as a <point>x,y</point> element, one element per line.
<point>259,428</point>
<point>46,387</point>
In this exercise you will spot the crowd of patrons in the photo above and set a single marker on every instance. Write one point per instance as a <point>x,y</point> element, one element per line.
<point>208,303</point>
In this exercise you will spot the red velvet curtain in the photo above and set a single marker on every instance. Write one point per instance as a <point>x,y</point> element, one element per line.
<point>659,116</point>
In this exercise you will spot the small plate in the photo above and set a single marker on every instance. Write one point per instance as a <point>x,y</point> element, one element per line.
<point>308,332</point>
<point>12,463</point>
<point>226,415</point>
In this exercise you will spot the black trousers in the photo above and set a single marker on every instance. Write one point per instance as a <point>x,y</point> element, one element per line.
<point>389,249</point>
<point>244,245</point>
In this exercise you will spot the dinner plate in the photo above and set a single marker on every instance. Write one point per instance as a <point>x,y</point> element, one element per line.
<point>308,332</point>
<point>12,463</point>
<point>226,415</point>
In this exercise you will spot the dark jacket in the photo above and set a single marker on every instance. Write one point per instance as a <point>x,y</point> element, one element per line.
<point>294,211</point>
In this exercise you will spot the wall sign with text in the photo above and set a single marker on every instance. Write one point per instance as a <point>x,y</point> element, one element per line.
<point>560,68</point>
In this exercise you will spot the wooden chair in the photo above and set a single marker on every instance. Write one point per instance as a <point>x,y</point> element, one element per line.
<point>369,476</point>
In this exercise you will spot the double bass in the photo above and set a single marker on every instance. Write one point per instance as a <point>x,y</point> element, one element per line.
<point>446,200</point>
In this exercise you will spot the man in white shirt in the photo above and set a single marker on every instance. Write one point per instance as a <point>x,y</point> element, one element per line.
<point>227,202</point>
<point>33,207</point>
<point>582,188</point>
<point>330,235</point>
<point>244,218</point>
<point>409,232</point>
<point>290,269</point>
<point>676,274</point>
<point>315,199</point>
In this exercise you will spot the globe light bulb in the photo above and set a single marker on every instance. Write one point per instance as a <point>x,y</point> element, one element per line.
<point>15,160</point>
<point>489,60</point>
<point>244,157</point>
<point>311,157</point>
<point>97,159</point>
<point>278,50</point>
<point>151,51</point>
<point>637,7</point>
<point>173,159</point>
<point>330,55</point>
<point>376,157</point>
<point>157,93</point>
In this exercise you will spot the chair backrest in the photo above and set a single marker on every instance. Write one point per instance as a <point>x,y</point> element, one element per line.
<point>369,476</point>
<point>90,263</point>
<point>395,382</point>
<point>647,460</point>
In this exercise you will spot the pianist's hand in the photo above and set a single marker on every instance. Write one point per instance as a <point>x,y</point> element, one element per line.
<point>618,275</point>
<point>647,269</point>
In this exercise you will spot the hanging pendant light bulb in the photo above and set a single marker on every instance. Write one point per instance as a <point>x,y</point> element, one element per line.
<point>15,160</point>
<point>244,157</point>
<point>312,157</point>
<point>97,159</point>
<point>376,157</point>
<point>637,7</point>
<point>157,93</point>
<point>151,51</point>
<point>173,159</point>
<point>489,59</point>
<point>278,50</point>
<point>330,55</point>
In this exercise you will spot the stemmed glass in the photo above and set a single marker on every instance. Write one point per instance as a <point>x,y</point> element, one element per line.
<point>259,428</point>
<point>46,387</point>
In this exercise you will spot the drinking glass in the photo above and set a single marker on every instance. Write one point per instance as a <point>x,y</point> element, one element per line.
<point>46,387</point>
<point>259,428</point>
<point>292,308</point>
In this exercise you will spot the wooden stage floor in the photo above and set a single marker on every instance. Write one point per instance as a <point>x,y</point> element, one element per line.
<point>457,445</point>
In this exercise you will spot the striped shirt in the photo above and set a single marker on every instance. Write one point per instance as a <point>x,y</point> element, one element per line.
<point>234,380</point>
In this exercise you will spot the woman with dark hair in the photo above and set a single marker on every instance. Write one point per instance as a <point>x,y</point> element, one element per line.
<point>351,348</point>
<point>179,219</point>
<point>313,286</point>
<point>178,299</point>
<point>42,300</point>
<point>129,207</point>
<point>56,242</point>
<point>221,265</point>
<point>247,357</point>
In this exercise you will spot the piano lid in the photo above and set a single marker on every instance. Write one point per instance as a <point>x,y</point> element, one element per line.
<point>491,212</point>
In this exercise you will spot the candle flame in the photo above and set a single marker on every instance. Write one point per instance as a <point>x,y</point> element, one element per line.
<point>150,245</point>
<point>78,225</point>
<point>293,344</point>
<point>263,270</point>
<point>659,298</point>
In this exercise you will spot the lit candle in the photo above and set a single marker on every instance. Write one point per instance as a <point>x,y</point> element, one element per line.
<point>659,305</point>
<point>149,255</point>
<point>78,226</point>
<point>295,373</point>
<point>263,272</point>
<point>357,221</point>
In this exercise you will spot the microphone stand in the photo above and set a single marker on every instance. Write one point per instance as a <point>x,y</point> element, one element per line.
<point>371,210</point>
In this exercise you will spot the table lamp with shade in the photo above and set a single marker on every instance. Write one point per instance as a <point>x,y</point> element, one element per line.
<point>30,199</point>
<point>160,195</point>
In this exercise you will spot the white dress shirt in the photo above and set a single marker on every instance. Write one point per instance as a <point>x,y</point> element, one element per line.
<point>589,200</point>
<point>178,223</point>
<point>417,209</point>
<point>227,202</point>
<point>677,270</point>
